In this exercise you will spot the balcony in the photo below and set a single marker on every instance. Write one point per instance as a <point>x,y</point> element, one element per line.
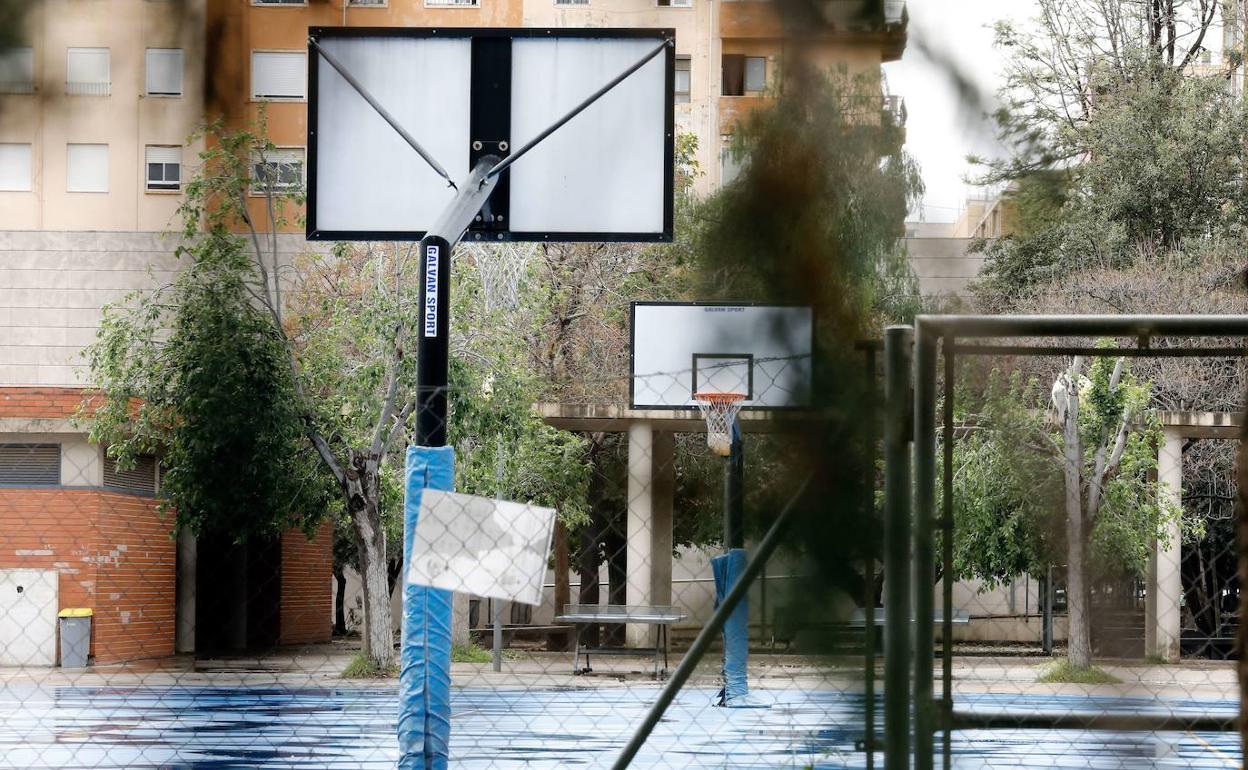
<point>735,108</point>
<point>94,88</point>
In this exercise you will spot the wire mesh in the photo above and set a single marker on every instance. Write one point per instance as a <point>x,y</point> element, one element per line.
<point>203,649</point>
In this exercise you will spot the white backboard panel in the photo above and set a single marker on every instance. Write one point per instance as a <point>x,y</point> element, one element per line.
<point>367,178</point>
<point>762,351</point>
<point>605,175</point>
<point>603,172</point>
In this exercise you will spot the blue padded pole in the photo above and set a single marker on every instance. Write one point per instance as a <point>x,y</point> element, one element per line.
<point>727,569</point>
<point>425,675</point>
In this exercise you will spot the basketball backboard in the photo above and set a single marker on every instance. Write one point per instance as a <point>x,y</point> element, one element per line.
<point>760,351</point>
<point>467,93</point>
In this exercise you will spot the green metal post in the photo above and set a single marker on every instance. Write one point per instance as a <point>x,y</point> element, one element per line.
<point>897,405</point>
<point>946,528</point>
<point>924,541</point>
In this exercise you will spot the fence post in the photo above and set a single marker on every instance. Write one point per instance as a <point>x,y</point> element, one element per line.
<point>924,545</point>
<point>897,380</point>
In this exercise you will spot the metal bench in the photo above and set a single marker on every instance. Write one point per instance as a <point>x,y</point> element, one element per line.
<point>594,614</point>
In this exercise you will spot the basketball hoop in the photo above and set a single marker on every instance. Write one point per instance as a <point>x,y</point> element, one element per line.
<point>720,412</point>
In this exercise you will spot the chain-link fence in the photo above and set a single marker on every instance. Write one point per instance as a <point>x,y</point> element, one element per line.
<point>126,641</point>
<point>1074,582</point>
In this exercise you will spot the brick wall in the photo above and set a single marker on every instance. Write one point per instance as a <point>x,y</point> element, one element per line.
<point>135,579</point>
<point>307,579</point>
<point>112,552</point>
<point>41,403</point>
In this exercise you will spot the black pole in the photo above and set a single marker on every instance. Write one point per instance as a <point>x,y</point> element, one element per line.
<point>734,489</point>
<point>433,350</point>
<point>898,406</point>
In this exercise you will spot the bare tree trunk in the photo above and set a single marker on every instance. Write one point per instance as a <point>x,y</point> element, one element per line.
<point>340,597</point>
<point>1079,646</point>
<point>362,489</point>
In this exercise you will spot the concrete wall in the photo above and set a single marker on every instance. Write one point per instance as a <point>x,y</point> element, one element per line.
<point>54,286</point>
<point>943,266</point>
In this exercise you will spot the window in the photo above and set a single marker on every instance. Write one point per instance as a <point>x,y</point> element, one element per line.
<point>279,74</point>
<point>755,74</point>
<point>376,3</point>
<point>15,167</point>
<point>88,72</point>
<point>682,79</point>
<point>141,478</point>
<point>30,464</point>
<point>729,164</point>
<point>86,168</point>
<point>280,170</point>
<point>675,3</point>
<point>279,2</point>
<point>453,3</point>
<point>17,71</point>
<point>164,72</point>
<point>571,2</point>
<point>164,167</point>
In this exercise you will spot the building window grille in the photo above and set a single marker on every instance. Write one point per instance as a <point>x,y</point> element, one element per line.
<point>34,465</point>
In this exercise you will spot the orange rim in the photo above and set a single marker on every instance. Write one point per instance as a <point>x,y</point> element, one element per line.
<point>719,398</point>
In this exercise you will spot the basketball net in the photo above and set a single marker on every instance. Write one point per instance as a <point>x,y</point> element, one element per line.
<point>720,412</point>
<point>502,266</point>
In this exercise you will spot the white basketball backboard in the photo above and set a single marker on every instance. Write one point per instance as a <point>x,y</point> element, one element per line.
<point>465,93</point>
<point>760,351</point>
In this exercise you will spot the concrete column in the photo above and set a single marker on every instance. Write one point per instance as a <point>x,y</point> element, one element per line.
<point>188,563</point>
<point>662,495</point>
<point>1169,554</point>
<point>640,526</point>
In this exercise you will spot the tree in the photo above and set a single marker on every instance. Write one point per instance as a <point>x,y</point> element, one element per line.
<point>329,332</point>
<point>1037,488</point>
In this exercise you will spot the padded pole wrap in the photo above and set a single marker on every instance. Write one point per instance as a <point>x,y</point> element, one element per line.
<point>425,674</point>
<point>727,570</point>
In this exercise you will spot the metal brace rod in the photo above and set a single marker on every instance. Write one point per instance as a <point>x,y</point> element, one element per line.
<point>578,109</point>
<point>385,115</point>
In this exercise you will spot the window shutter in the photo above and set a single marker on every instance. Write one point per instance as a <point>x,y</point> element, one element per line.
<point>17,71</point>
<point>15,167</point>
<point>159,154</point>
<point>279,75</point>
<point>30,464</point>
<point>141,478</point>
<point>87,71</point>
<point>164,71</point>
<point>86,168</point>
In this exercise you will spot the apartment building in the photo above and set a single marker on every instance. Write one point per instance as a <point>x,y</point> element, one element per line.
<point>97,107</point>
<point>97,104</point>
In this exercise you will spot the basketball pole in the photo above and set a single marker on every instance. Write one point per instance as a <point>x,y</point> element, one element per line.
<point>734,491</point>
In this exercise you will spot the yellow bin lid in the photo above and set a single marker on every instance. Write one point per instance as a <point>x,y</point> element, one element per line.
<point>76,612</point>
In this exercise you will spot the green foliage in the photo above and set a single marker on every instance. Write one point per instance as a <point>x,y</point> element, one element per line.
<point>469,653</point>
<point>364,667</point>
<point>1133,159</point>
<point>1009,489</point>
<point>1062,672</point>
<point>197,372</point>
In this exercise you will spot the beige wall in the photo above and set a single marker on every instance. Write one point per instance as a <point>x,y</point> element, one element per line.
<point>126,120</point>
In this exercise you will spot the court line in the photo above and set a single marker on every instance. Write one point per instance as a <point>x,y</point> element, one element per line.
<point>1222,755</point>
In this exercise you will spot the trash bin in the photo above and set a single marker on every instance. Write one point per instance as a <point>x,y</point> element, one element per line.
<point>75,637</point>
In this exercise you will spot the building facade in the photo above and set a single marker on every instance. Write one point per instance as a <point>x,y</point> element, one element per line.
<point>99,106</point>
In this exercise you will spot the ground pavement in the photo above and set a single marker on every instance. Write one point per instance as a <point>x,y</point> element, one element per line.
<point>293,711</point>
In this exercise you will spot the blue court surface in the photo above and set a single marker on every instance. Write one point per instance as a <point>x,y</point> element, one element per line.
<point>228,727</point>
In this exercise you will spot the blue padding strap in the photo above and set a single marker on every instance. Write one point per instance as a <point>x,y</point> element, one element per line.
<point>727,570</point>
<point>425,673</point>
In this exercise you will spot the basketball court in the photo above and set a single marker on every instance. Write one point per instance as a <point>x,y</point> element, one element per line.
<point>537,729</point>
